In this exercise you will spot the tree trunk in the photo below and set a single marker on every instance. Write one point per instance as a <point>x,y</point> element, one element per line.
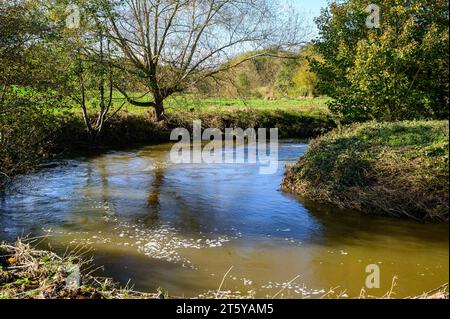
<point>159,106</point>
<point>159,110</point>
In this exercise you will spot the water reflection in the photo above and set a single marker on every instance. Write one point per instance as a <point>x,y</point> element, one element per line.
<point>182,226</point>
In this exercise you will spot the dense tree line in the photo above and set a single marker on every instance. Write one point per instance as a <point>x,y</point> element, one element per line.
<point>396,71</point>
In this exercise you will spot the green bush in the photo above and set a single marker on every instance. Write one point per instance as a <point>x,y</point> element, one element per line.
<point>27,130</point>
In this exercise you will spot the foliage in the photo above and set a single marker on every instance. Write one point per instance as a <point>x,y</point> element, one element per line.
<point>26,130</point>
<point>285,78</point>
<point>278,75</point>
<point>399,71</point>
<point>243,85</point>
<point>305,81</point>
<point>28,81</point>
<point>398,169</point>
<point>88,63</point>
<point>23,27</point>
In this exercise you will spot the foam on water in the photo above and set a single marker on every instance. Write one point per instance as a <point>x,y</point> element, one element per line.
<point>163,242</point>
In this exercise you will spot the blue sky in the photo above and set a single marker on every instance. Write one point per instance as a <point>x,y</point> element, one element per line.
<point>311,9</point>
<point>312,6</point>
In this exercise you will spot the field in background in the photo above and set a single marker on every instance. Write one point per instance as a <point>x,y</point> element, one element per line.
<point>211,105</point>
<point>216,104</point>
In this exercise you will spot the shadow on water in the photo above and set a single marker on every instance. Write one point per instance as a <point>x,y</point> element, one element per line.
<point>346,225</point>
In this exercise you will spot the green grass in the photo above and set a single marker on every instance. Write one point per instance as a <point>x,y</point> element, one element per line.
<point>294,118</point>
<point>190,103</point>
<point>398,169</point>
<point>217,104</point>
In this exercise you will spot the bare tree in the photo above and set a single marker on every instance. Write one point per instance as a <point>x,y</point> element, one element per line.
<point>173,44</point>
<point>104,78</point>
<point>90,65</point>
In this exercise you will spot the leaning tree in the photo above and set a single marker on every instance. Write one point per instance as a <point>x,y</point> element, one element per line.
<point>170,45</point>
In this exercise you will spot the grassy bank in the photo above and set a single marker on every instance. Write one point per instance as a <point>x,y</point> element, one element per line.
<point>301,118</point>
<point>396,169</point>
<point>292,123</point>
<point>28,273</point>
<point>188,102</point>
<point>294,118</point>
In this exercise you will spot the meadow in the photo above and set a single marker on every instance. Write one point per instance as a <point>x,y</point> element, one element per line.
<point>189,102</point>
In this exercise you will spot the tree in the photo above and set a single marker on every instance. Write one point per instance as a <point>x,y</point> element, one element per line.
<point>285,83</point>
<point>397,71</point>
<point>87,54</point>
<point>96,76</point>
<point>28,77</point>
<point>305,81</point>
<point>171,45</point>
<point>24,42</point>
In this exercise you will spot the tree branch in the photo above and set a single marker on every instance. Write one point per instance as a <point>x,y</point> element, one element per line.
<point>134,102</point>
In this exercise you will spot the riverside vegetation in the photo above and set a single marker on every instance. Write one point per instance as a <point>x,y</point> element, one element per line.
<point>396,169</point>
<point>30,273</point>
<point>388,167</point>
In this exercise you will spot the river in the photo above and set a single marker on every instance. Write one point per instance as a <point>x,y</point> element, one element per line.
<point>182,227</point>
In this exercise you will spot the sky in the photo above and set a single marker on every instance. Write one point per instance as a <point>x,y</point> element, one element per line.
<point>311,9</point>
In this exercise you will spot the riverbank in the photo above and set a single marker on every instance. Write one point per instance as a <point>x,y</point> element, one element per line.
<point>396,169</point>
<point>127,128</point>
<point>28,273</point>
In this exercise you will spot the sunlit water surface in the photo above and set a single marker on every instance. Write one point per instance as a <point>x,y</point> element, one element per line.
<point>182,227</point>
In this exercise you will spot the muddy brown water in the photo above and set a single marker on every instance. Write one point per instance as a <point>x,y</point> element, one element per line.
<point>182,227</point>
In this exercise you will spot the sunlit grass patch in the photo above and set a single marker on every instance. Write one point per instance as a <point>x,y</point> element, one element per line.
<point>188,102</point>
